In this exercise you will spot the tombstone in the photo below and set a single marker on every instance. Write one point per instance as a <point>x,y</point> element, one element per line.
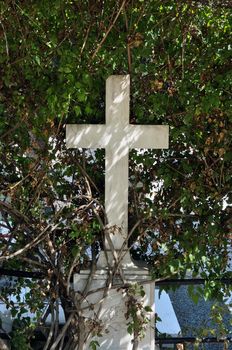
<point>195,317</point>
<point>108,306</point>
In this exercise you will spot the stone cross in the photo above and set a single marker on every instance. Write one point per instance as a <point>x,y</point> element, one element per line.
<point>117,136</point>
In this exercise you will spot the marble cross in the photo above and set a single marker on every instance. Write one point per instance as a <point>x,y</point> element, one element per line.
<point>117,136</point>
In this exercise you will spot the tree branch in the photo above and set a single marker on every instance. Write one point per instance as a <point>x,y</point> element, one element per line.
<point>108,30</point>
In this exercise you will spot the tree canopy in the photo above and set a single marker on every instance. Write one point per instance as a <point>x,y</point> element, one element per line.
<point>55,58</point>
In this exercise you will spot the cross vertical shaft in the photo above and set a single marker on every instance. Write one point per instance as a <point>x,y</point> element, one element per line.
<point>116,158</point>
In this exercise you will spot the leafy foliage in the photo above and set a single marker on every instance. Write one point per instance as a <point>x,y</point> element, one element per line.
<point>54,61</point>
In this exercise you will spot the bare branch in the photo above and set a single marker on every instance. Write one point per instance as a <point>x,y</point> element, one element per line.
<point>5,36</point>
<point>51,331</point>
<point>62,333</point>
<point>108,30</point>
<point>85,39</point>
<point>28,246</point>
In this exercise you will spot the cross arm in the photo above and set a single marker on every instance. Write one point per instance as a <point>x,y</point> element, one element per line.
<point>86,136</point>
<point>148,136</point>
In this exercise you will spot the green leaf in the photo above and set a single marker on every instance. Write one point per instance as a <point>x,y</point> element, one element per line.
<point>94,344</point>
<point>37,60</point>
<point>130,329</point>
<point>77,110</point>
<point>148,309</point>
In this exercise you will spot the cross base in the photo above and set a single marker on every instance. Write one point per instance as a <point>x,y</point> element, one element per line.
<point>107,307</point>
<point>118,258</point>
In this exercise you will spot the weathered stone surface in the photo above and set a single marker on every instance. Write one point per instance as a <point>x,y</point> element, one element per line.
<point>111,309</point>
<point>117,136</point>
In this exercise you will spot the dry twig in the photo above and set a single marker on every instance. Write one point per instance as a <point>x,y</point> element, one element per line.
<point>108,30</point>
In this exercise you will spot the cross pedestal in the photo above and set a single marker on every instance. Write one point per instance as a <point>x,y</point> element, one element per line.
<point>112,308</point>
<point>117,136</point>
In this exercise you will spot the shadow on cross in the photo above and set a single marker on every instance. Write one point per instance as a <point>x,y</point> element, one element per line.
<point>117,137</point>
